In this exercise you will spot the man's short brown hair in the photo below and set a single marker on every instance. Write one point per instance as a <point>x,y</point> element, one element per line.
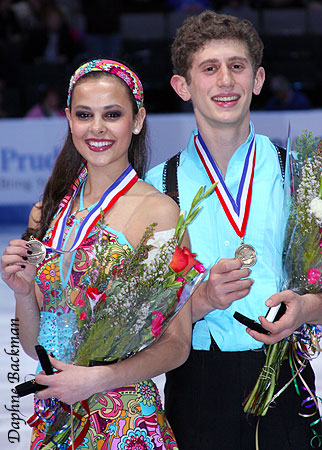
<point>197,31</point>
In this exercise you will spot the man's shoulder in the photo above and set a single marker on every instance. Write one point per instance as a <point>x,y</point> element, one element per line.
<point>154,176</point>
<point>268,147</point>
<point>264,141</point>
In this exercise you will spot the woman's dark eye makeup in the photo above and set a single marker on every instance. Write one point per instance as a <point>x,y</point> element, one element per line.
<point>108,114</point>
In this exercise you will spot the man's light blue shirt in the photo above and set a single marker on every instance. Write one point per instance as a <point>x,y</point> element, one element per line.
<point>212,236</point>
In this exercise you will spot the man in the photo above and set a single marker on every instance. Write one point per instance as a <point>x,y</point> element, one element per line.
<point>216,61</point>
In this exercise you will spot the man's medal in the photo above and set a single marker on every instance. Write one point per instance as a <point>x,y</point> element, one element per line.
<point>246,254</point>
<point>236,210</point>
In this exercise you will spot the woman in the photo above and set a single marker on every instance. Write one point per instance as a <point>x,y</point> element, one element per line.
<point>106,132</point>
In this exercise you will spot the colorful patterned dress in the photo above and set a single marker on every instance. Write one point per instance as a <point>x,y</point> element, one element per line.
<point>127,418</point>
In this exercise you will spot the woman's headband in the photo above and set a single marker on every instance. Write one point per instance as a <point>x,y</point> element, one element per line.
<point>113,67</point>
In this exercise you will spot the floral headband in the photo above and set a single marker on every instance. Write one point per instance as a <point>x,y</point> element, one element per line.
<point>113,67</point>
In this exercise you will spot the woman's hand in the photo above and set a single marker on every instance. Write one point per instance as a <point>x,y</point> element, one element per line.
<point>16,272</point>
<point>71,384</point>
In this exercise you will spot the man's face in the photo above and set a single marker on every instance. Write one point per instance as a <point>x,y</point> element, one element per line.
<point>222,84</point>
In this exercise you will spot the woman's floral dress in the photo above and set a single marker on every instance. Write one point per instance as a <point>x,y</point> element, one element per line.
<point>127,418</point>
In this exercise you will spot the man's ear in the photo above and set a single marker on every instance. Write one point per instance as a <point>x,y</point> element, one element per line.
<point>180,86</point>
<point>259,80</point>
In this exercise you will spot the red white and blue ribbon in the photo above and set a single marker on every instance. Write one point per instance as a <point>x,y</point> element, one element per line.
<point>120,186</point>
<point>236,210</point>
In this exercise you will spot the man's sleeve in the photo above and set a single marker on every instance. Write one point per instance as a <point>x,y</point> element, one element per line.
<point>154,176</point>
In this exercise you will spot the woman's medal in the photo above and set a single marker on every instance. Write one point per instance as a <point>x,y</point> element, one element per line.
<point>120,186</point>
<point>236,210</point>
<point>38,250</point>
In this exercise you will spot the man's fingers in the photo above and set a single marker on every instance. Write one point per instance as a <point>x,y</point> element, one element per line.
<point>282,296</point>
<point>269,338</point>
<point>234,286</point>
<point>261,337</point>
<point>270,326</point>
<point>228,277</point>
<point>226,265</point>
<point>236,295</point>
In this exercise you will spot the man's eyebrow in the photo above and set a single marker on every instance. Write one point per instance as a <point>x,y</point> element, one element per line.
<point>238,58</point>
<point>230,60</point>
<point>208,61</point>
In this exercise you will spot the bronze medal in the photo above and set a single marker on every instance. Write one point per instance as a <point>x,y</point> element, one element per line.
<point>246,254</point>
<point>38,252</point>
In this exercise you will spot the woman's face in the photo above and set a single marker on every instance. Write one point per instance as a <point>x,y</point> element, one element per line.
<point>101,120</point>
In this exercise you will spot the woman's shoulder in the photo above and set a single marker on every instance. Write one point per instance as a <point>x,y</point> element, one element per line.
<point>156,207</point>
<point>156,199</point>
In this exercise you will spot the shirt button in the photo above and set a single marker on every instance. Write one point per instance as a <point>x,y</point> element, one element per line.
<point>226,243</point>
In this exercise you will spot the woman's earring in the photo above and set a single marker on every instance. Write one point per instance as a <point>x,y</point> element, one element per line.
<point>136,131</point>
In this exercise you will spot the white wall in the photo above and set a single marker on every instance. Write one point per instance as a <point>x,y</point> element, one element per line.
<point>28,148</point>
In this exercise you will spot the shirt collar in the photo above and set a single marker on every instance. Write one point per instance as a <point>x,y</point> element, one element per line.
<point>240,152</point>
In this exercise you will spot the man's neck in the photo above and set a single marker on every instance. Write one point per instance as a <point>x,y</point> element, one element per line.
<point>223,142</point>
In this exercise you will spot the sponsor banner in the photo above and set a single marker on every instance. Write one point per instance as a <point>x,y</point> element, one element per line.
<point>29,148</point>
<point>169,133</point>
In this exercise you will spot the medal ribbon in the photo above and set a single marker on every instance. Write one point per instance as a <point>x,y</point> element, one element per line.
<point>237,211</point>
<point>120,186</point>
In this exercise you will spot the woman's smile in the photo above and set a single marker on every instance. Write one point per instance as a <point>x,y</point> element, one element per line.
<point>99,145</point>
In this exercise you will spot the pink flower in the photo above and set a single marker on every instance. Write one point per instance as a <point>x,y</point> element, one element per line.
<point>156,323</point>
<point>313,275</point>
<point>199,268</point>
<point>83,316</point>
<point>179,292</point>
<point>79,302</point>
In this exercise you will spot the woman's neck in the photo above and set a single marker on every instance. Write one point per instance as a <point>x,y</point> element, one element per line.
<point>98,180</point>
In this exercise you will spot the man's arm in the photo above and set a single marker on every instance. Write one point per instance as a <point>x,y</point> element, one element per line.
<point>227,282</point>
<point>299,309</point>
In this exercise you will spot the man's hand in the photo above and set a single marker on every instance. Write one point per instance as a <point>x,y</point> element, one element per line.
<point>227,282</point>
<point>299,309</point>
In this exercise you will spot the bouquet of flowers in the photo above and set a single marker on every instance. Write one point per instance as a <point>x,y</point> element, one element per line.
<point>303,274</point>
<point>130,300</point>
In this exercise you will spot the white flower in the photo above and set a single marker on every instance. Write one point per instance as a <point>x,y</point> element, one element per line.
<point>316,208</point>
<point>159,239</point>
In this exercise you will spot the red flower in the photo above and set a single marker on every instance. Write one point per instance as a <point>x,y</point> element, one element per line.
<point>183,259</point>
<point>83,316</point>
<point>156,323</point>
<point>91,292</point>
<point>117,270</point>
<point>94,294</point>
